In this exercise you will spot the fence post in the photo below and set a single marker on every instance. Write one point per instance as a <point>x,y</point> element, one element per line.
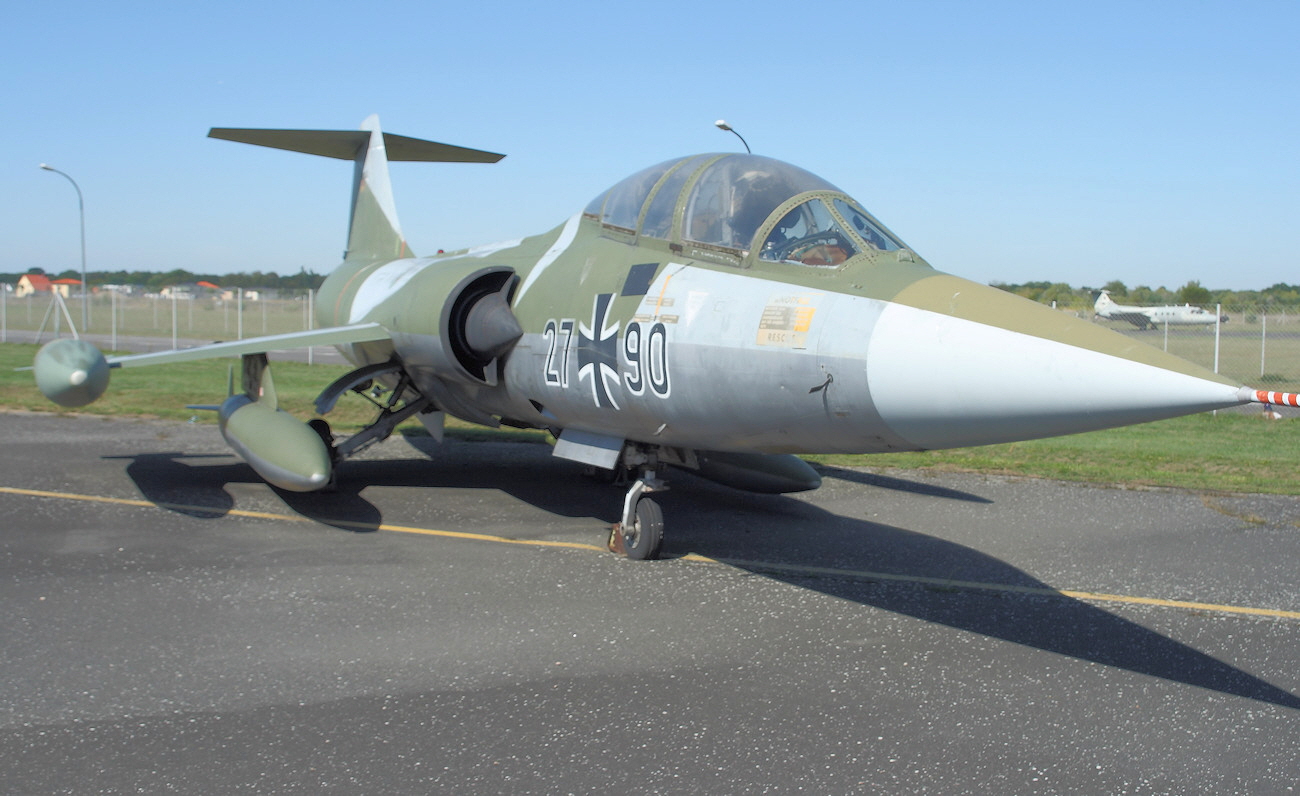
<point>1218,324</point>
<point>311,316</point>
<point>1263,340</point>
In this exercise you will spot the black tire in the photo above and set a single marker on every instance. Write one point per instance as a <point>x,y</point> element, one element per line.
<point>643,541</point>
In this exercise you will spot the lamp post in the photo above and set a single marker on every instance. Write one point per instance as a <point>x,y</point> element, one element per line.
<point>722,125</point>
<point>85,287</point>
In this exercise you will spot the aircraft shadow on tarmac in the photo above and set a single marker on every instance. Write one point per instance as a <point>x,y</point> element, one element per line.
<point>745,529</point>
<point>898,484</point>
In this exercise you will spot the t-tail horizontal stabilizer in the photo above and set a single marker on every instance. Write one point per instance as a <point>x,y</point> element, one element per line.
<point>374,233</point>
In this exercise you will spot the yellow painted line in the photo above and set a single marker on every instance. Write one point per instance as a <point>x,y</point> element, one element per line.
<point>757,566</point>
<point>264,515</point>
<point>948,583</point>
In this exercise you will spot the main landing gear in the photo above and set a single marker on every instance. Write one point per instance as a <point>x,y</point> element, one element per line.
<point>640,533</point>
<point>403,401</point>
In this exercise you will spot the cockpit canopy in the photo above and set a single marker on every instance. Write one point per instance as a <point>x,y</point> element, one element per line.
<point>725,201</point>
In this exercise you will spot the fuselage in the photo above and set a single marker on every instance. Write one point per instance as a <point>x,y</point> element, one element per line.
<point>673,341</point>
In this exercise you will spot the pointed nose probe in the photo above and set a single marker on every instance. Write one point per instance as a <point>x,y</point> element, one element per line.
<point>1269,398</point>
<point>953,363</point>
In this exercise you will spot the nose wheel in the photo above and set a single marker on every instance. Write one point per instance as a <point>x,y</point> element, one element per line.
<point>640,533</point>
<point>641,539</point>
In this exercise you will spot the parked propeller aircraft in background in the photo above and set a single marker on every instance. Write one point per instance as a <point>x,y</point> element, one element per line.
<point>1152,317</point>
<point>718,313</point>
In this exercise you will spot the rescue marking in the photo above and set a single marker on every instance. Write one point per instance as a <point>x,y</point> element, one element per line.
<point>759,566</point>
<point>785,321</point>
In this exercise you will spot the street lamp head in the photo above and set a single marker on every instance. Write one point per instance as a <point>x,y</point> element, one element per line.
<point>47,167</point>
<point>721,124</point>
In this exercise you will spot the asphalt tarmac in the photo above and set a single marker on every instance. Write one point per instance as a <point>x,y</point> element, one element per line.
<point>446,622</point>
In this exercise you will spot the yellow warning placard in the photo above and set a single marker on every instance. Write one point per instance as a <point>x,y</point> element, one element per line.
<point>786,323</point>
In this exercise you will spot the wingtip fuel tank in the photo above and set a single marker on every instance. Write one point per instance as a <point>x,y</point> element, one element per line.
<point>71,373</point>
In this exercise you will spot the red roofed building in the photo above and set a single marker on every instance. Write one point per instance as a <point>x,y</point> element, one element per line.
<point>32,283</point>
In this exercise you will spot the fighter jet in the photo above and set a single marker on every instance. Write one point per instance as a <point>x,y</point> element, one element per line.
<point>718,313</point>
<point>1152,317</point>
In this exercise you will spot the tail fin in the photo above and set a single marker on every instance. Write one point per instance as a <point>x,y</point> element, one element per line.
<point>374,232</point>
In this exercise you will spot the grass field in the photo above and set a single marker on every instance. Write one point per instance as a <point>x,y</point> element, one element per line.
<point>1228,452</point>
<point>163,392</point>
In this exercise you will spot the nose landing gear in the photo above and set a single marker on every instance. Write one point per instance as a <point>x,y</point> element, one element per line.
<point>640,533</point>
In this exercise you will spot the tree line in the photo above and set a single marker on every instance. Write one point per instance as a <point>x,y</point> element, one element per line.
<point>1280,295</point>
<point>153,282</point>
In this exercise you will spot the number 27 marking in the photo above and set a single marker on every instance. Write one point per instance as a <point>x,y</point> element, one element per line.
<point>558,335</point>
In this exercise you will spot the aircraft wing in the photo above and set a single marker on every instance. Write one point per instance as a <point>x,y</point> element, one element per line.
<point>335,335</point>
<point>1139,319</point>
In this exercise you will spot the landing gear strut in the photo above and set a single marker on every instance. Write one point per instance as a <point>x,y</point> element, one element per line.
<point>403,401</point>
<point>640,533</point>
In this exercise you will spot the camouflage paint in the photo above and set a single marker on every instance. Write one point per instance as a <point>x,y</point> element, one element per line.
<point>685,344</point>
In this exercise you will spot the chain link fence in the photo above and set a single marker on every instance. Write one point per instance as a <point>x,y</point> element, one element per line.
<point>1257,346</point>
<point>202,318</point>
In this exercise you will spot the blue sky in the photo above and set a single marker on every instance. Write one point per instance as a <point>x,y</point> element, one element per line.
<point>1151,142</point>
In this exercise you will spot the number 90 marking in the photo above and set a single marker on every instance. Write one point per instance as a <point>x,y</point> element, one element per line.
<point>646,354</point>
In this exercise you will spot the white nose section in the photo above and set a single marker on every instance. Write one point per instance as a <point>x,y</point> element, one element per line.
<point>944,382</point>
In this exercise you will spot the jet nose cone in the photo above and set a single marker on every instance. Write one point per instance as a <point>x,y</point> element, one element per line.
<point>953,363</point>
<point>491,327</point>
